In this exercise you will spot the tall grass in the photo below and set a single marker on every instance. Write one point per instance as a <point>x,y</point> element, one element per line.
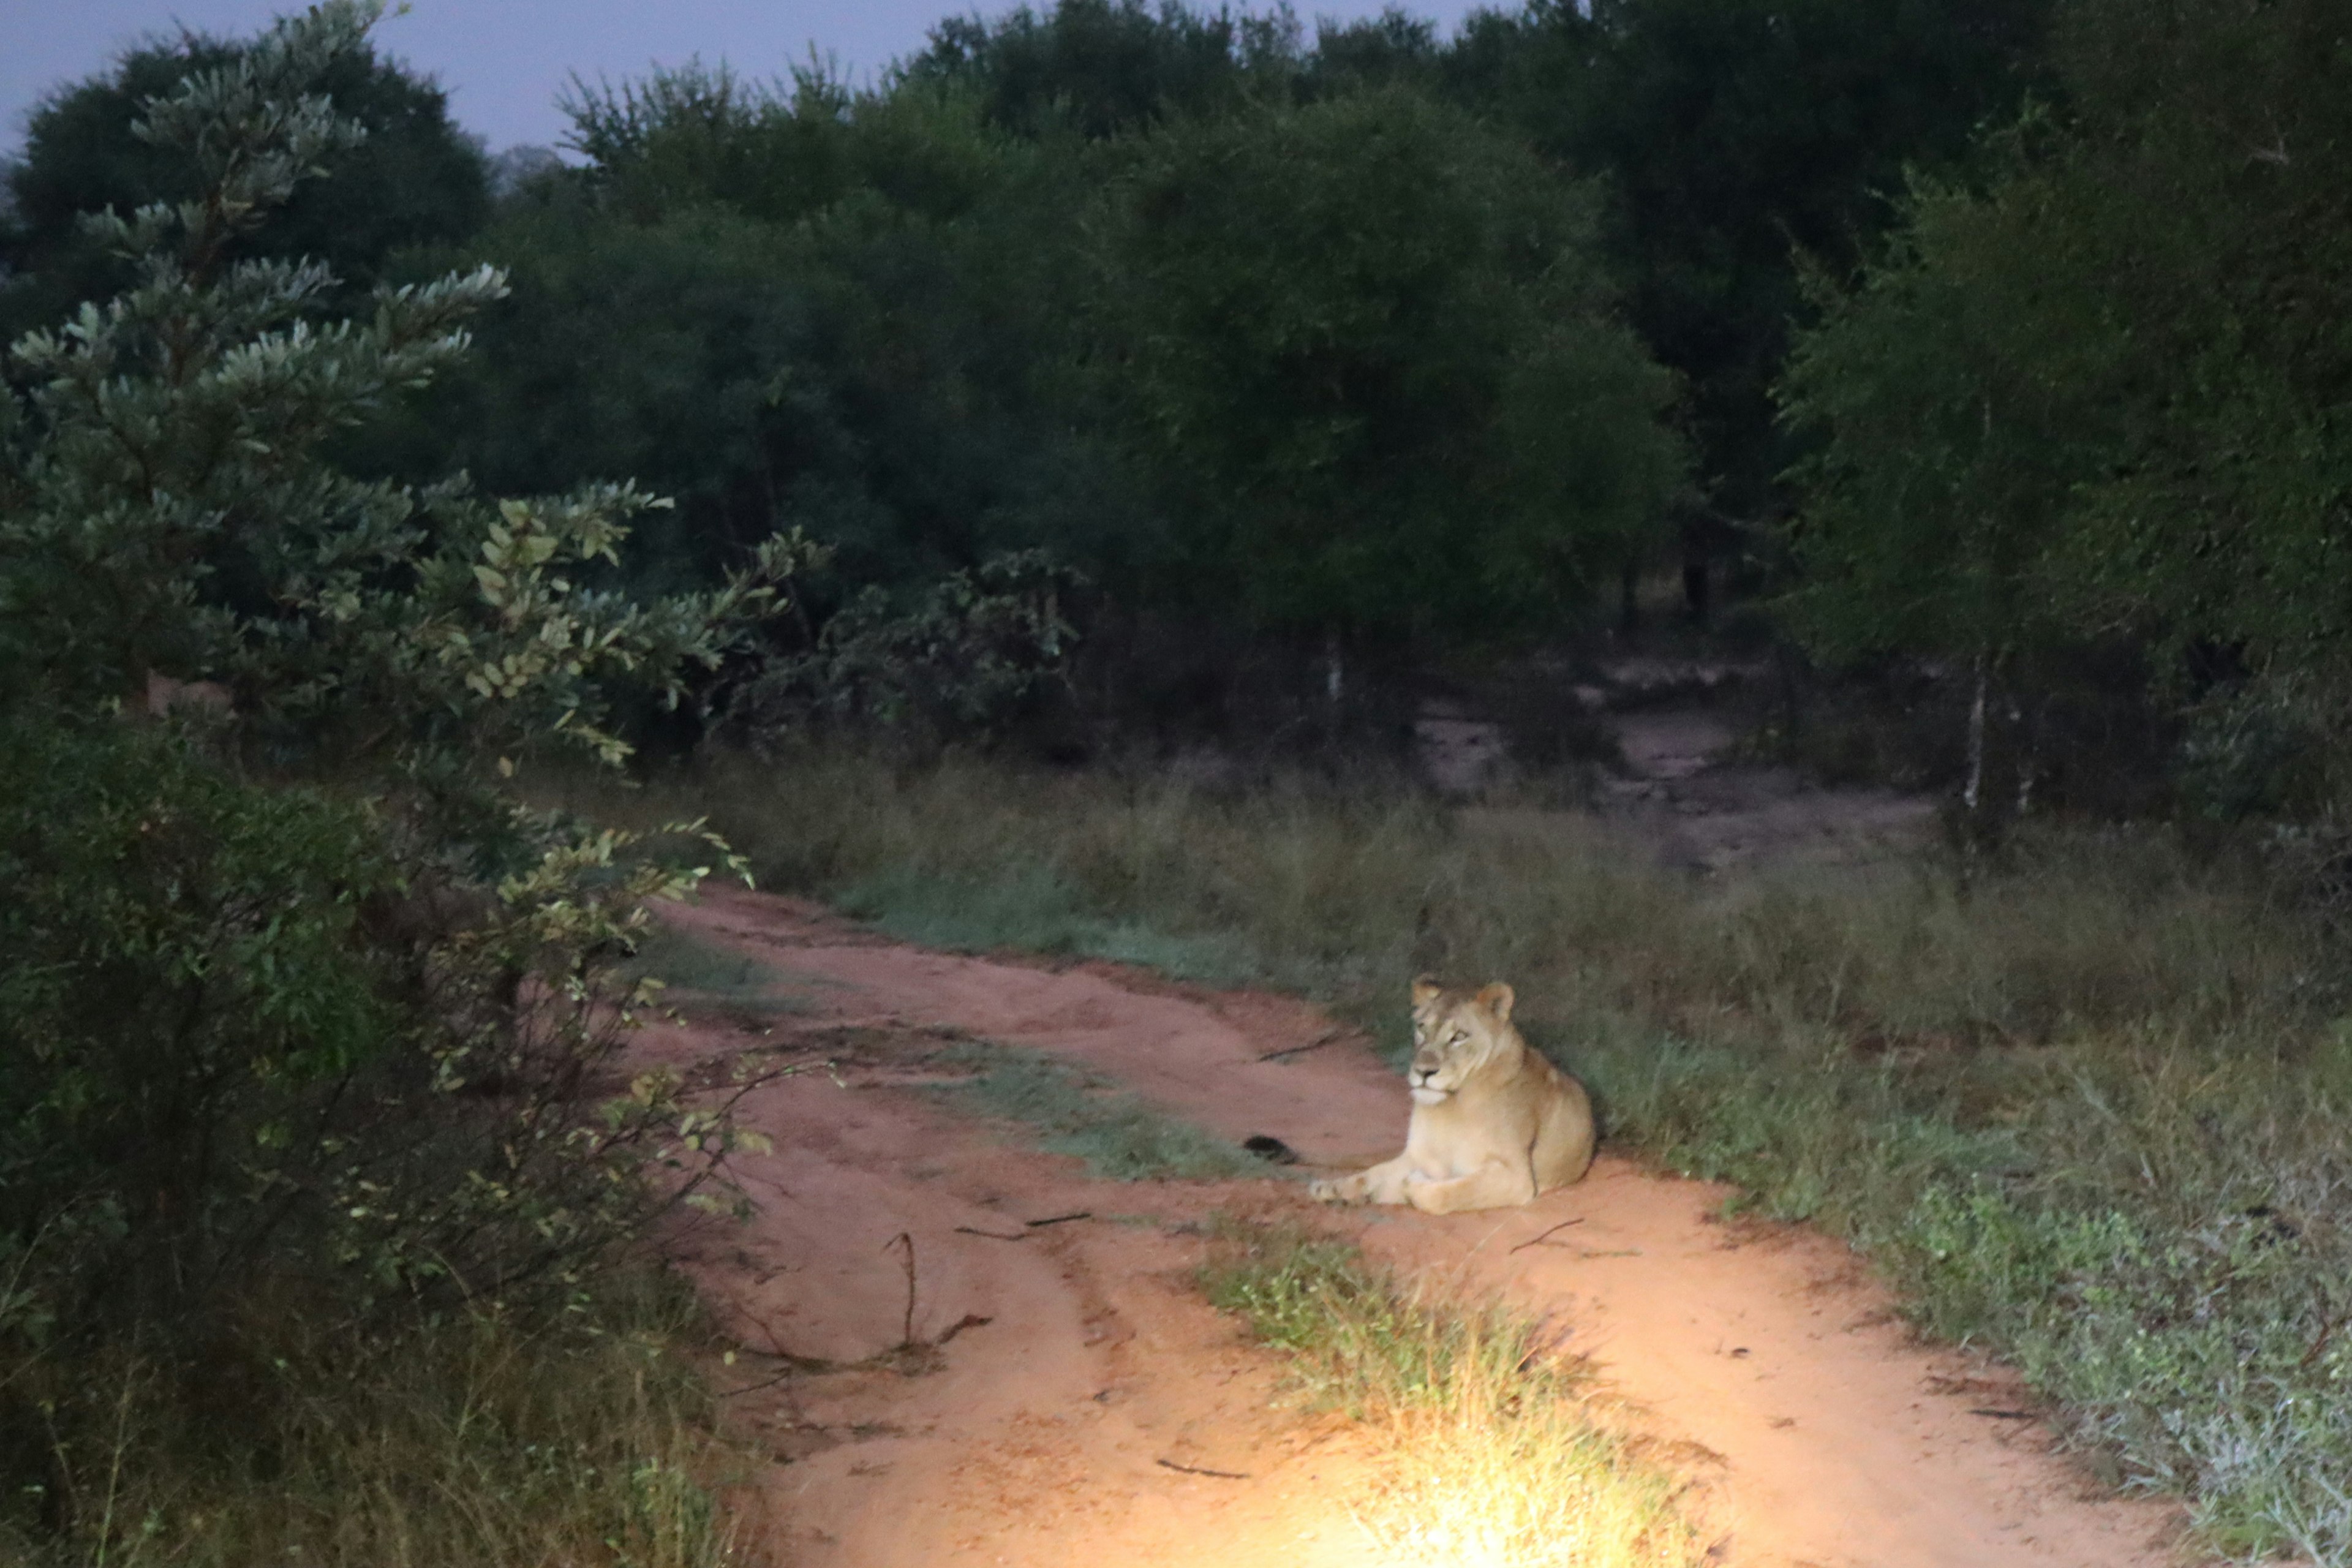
<point>481,1440</point>
<point>2089,1110</point>
<point>1491,1456</point>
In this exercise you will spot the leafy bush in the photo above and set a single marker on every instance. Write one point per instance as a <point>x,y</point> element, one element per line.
<point>959,662</point>
<point>308,1022</point>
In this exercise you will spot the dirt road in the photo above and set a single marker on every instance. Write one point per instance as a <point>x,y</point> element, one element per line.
<point>1825,1437</point>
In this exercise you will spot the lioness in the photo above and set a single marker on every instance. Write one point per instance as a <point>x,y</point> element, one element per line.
<point>1492,1122</point>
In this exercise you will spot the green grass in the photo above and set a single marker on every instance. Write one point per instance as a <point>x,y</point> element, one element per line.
<point>481,1441</point>
<point>695,967</point>
<point>2089,1111</point>
<point>1031,913</point>
<point>1119,1137</point>
<point>1490,1454</point>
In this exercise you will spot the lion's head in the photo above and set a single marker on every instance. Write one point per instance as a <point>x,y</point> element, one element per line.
<point>1455,1034</point>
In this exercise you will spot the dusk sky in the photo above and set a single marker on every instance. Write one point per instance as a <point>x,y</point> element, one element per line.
<point>503,61</point>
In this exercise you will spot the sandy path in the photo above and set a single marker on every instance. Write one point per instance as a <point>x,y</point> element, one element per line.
<point>1837,1442</point>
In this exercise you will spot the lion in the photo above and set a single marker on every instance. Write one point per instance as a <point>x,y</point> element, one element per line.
<point>1492,1122</point>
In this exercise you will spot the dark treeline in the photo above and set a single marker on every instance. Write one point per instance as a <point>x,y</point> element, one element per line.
<point>1989,340</point>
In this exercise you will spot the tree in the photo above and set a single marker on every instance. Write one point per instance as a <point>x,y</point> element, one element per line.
<point>415,179</point>
<point>1370,342</point>
<point>849,309</point>
<point>1103,67</point>
<point>2100,398</point>
<point>1731,136</point>
<point>250,957</point>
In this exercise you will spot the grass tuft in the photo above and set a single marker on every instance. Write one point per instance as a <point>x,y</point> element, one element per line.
<point>710,972</point>
<point>1119,1137</point>
<point>1492,1456</point>
<point>1031,912</point>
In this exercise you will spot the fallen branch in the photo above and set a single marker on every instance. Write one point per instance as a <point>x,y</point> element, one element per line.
<point>1059,1219</point>
<point>1326,1038</point>
<point>2004,1414</point>
<point>1197,1471</point>
<point>906,1331</point>
<point>1536,1240</point>
<point>969,1320</point>
<point>786,1376</point>
<point>993,1235</point>
<point>2327,1332</point>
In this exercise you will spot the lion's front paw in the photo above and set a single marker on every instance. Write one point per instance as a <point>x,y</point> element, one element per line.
<point>1329,1192</point>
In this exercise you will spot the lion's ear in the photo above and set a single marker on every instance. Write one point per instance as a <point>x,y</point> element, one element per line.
<point>1425,990</point>
<point>1497,999</point>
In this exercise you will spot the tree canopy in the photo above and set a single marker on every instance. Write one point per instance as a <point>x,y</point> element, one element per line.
<point>1372,341</point>
<point>415,179</point>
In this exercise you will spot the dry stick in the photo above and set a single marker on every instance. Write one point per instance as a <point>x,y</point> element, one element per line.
<point>784,1376</point>
<point>1325,1039</point>
<point>1534,1239</point>
<point>969,1320</point>
<point>1197,1471</point>
<point>1059,1219</point>
<point>2005,1414</point>
<point>993,1235</point>
<point>2327,1332</point>
<point>906,1332</point>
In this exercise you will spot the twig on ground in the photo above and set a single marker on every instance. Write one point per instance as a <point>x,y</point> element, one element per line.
<point>2003,1414</point>
<point>786,1376</point>
<point>1059,1219</point>
<point>2327,1332</point>
<point>1197,1471</point>
<point>1318,1043</point>
<point>906,1332</point>
<point>969,1320</point>
<point>993,1235</point>
<point>1537,1240</point>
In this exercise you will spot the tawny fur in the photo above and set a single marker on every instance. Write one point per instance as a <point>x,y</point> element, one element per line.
<point>1492,1122</point>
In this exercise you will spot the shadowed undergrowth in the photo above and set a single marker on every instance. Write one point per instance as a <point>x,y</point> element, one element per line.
<point>481,1440</point>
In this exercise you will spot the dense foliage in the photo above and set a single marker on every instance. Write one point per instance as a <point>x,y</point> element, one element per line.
<point>2100,400</point>
<point>414,178</point>
<point>1369,342</point>
<point>301,1002</point>
<point>1238,336</point>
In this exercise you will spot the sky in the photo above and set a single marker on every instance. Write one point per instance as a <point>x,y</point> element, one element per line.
<point>504,61</point>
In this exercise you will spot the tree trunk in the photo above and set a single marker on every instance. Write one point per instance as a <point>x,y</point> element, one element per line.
<point>1335,669</point>
<point>1792,716</point>
<point>2029,751</point>
<point>1972,791</point>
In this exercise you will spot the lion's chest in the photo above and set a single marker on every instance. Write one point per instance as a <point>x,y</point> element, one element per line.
<point>1462,1133</point>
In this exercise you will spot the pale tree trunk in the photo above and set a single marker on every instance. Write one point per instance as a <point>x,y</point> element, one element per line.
<point>1335,669</point>
<point>2029,751</point>
<point>1972,791</point>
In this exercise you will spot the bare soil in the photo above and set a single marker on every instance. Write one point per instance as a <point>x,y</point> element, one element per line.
<point>1051,1392</point>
